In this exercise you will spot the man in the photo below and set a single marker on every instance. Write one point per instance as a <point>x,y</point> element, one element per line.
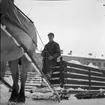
<point>50,54</point>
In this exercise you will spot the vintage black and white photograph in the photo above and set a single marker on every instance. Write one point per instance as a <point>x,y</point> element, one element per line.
<point>52,52</point>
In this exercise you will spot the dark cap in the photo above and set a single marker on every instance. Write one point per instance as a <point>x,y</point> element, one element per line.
<point>51,34</point>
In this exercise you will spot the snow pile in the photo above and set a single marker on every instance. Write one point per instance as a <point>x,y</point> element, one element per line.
<point>59,88</point>
<point>77,62</point>
<point>102,90</point>
<point>4,92</point>
<point>91,65</point>
<point>41,96</point>
<point>9,80</point>
<point>72,97</point>
<point>42,90</point>
<point>74,61</point>
<point>70,89</point>
<point>80,88</point>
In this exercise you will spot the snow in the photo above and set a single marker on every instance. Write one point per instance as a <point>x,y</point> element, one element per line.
<point>91,65</point>
<point>9,79</point>
<point>5,94</point>
<point>74,61</point>
<point>77,62</point>
<point>42,93</point>
<point>69,102</point>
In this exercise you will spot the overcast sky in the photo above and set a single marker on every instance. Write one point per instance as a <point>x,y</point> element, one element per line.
<point>78,25</point>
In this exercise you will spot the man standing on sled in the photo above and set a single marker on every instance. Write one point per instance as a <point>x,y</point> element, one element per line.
<point>50,54</point>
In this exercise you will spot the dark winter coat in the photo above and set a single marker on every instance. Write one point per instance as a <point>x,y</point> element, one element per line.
<point>51,49</point>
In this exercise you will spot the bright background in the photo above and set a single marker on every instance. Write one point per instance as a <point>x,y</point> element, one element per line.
<point>78,25</point>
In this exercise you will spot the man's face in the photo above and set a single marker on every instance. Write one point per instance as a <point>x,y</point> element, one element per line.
<point>50,38</point>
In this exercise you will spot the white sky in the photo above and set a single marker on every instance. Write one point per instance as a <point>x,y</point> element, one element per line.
<point>78,25</point>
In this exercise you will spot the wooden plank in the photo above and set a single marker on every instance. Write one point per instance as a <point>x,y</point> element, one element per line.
<point>76,82</point>
<point>76,70</point>
<point>55,69</point>
<point>76,76</point>
<point>56,81</point>
<point>97,74</point>
<point>84,82</point>
<point>98,79</point>
<point>80,71</point>
<point>83,87</point>
<point>84,67</point>
<point>55,75</point>
<point>31,86</point>
<point>84,91</point>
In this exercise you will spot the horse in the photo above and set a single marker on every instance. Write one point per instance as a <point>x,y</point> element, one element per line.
<point>14,24</point>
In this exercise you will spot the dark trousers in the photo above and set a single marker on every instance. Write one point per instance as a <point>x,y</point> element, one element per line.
<point>47,65</point>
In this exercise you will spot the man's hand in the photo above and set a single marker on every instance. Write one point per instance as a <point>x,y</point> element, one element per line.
<point>50,57</point>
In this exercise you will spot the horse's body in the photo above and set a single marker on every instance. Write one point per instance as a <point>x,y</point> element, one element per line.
<point>23,30</point>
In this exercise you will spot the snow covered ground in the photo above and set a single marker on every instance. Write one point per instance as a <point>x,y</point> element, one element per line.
<point>5,94</point>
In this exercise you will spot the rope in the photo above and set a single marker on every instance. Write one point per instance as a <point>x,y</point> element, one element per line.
<point>35,29</point>
<point>27,31</point>
<point>41,41</point>
<point>21,25</point>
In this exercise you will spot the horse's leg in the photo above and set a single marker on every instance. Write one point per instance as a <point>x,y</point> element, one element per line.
<point>2,69</point>
<point>25,67</point>
<point>15,76</point>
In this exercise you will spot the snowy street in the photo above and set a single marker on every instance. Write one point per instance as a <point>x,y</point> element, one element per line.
<point>29,101</point>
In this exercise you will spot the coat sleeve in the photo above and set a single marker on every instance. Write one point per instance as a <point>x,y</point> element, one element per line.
<point>43,51</point>
<point>57,49</point>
